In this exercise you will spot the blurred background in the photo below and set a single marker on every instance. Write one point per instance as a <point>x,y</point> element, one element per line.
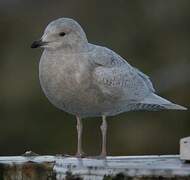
<point>153,36</point>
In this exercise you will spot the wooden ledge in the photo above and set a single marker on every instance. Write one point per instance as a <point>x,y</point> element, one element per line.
<point>118,167</point>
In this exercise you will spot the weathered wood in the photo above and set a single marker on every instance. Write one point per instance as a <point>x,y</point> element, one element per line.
<point>125,167</point>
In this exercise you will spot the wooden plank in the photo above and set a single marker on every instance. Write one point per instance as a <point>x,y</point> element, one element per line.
<point>60,167</point>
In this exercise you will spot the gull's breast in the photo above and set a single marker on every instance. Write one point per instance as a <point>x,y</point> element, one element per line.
<point>68,85</point>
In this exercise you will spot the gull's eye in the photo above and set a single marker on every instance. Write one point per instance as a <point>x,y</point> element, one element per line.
<point>61,34</point>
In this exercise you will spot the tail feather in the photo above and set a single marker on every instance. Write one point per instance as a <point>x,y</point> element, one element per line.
<point>162,103</point>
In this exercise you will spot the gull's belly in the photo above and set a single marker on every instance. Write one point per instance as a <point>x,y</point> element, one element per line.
<point>70,97</point>
<point>72,90</point>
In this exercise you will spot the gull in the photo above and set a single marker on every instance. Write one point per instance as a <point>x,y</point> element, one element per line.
<point>88,80</point>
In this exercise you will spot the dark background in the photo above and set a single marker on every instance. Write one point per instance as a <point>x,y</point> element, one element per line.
<point>153,35</point>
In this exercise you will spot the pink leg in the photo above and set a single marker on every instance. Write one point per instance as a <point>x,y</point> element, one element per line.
<point>79,132</point>
<point>103,128</point>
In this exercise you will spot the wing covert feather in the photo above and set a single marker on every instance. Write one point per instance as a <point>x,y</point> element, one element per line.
<point>116,76</point>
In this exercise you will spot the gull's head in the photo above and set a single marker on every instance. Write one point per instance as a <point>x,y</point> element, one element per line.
<point>62,33</point>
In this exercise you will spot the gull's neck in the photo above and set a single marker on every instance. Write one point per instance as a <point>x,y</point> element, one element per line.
<point>75,48</point>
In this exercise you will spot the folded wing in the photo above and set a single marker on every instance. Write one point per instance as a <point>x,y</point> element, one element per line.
<point>114,76</point>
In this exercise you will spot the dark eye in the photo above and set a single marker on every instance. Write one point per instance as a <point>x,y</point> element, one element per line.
<point>61,34</point>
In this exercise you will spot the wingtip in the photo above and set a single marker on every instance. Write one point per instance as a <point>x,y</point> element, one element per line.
<point>184,108</point>
<point>176,107</point>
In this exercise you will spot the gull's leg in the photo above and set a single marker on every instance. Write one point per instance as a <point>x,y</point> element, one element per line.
<point>103,128</point>
<point>79,132</point>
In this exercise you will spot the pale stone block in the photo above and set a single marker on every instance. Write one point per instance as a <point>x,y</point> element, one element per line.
<point>185,149</point>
